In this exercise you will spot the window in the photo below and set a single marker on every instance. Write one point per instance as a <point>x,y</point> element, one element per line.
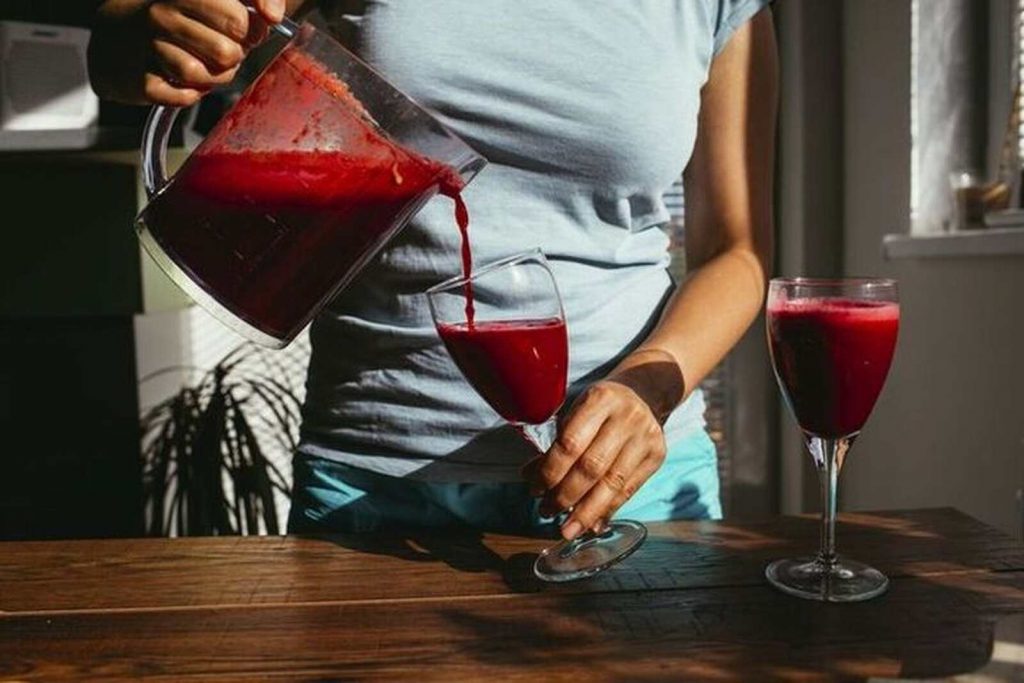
<point>965,66</point>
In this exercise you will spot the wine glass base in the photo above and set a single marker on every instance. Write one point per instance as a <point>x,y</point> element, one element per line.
<point>590,553</point>
<point>811,579</point>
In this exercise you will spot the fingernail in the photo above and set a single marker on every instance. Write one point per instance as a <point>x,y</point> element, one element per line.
<point>571,530</point>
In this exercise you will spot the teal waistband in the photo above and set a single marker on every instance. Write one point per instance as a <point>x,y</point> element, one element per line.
<point>335,497</point>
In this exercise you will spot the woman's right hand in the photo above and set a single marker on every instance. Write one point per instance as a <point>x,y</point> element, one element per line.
<point>173,51</point>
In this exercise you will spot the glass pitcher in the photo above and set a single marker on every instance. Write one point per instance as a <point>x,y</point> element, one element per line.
<point>319,163</point>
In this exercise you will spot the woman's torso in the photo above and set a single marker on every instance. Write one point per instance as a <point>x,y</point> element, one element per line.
<point>586,111</point>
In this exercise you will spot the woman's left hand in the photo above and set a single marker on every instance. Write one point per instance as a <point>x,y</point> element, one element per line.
<point>608,445</point>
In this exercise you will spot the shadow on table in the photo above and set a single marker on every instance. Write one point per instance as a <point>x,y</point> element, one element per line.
<point>424,528</point>
<point>461,549</point>
<point>469,550</point>
<point>693,606</point>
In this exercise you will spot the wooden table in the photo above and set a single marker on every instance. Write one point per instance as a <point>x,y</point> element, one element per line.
<point>690,605</point>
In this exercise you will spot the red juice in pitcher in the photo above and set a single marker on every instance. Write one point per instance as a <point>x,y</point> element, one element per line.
<point>272,228</point>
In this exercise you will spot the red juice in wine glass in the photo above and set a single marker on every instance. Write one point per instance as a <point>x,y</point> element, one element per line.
<point>831,356</point>
<point>518,366</point>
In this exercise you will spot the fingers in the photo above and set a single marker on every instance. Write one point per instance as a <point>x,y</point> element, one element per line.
<point>227,17</point>
<point>196,45</point>
<point>621,480</point>
<point>218,51</point>
<point>589,511</point>
<point>578,429</point>
<point>157,90</point>
<point>184,70</point>
<point>259,28</point>
<point>595,463</point>
<point>610,444</point>
<point>233,19</point>
<point>148,51</point>
<point>271,10</point>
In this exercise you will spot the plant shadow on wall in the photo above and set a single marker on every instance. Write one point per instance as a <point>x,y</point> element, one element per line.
<point>206,470</point>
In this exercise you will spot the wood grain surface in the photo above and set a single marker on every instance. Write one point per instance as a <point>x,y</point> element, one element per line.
<point>690,605</point>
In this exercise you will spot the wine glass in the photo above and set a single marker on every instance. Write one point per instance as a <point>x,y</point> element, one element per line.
<point>505,328</point>
<point>831,344</point>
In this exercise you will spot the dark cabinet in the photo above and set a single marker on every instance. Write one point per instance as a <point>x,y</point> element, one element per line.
<point>69,289</point>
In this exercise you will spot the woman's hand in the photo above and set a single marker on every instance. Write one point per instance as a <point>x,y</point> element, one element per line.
<point>173,51</point>
<point>609,443</point>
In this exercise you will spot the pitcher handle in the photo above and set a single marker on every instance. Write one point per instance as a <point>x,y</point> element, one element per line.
<point>154,147</point>
<point>157,131</point>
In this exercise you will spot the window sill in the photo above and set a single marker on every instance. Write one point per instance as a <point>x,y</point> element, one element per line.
<point>987,242</point>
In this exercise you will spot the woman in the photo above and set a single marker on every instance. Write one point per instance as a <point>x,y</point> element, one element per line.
<point>587,112</point>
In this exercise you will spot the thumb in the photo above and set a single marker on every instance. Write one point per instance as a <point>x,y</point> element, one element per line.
<point>271,10</point>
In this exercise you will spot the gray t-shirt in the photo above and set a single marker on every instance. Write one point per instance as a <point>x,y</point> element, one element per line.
<point>586,111</point>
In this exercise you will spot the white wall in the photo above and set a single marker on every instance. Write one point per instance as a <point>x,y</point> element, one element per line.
<point>189,342</point>
<point>949,427</point>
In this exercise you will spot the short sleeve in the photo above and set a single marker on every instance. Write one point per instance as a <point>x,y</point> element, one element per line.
<point>731,15</point>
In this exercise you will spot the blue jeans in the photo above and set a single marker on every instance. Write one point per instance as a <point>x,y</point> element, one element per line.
<point>337,498</point>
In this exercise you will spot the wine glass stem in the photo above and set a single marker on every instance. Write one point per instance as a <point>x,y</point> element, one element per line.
<point>540,436</point>
<point>828,457</point>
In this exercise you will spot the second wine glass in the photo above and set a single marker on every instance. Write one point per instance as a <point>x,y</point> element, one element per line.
<point>831,344</point>
<point>505,328</point>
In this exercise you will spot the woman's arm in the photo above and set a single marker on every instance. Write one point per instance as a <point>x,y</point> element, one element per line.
<point>174,51</point>
<point>611,441</point>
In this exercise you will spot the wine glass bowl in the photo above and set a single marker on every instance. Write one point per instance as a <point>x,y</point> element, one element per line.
<point>504,326</point>
<point>831,344</point>
<point>511,343</point>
